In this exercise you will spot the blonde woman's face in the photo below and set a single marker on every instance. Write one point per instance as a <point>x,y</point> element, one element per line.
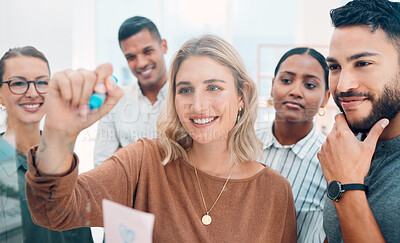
<point>206,99</point>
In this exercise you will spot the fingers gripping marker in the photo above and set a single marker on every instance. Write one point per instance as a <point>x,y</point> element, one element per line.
<point>97,100</point>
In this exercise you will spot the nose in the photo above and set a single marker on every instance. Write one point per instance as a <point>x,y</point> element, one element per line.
<point>199,105</point>
<point>142,61</point>
<point>347,81</point>
<point>296,90</point>
<point>31,92</point>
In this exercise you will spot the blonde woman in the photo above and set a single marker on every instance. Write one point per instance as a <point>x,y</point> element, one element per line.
<point>200,177</point>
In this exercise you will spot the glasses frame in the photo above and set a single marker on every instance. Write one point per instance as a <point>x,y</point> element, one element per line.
<point>29,83</point>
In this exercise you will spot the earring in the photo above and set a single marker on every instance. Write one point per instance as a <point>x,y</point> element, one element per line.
<point>2,107</point>
<point>240,113</point>
<point>270,101</point>
<point>323,109</point>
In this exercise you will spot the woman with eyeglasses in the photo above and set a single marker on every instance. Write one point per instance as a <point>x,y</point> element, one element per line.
<point>24,79</point>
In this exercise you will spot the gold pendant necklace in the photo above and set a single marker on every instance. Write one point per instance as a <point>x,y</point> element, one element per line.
<point>206,219</point>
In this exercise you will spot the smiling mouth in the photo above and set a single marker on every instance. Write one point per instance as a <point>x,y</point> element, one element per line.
<point>349,103</point>
<point>146,72</point>
<point>351,100</point>
<point>204,120</point>
<point>31,106</point>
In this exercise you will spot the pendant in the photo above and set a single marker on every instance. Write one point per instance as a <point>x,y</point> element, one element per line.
<point>206,219</point>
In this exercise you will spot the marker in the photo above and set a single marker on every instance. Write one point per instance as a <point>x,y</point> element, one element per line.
<point>97,100</point>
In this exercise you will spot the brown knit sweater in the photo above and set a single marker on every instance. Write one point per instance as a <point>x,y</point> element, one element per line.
<point>255,209</point>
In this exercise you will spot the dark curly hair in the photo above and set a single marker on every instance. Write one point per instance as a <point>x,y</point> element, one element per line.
<point>136,24</point>
<point>375,13</point>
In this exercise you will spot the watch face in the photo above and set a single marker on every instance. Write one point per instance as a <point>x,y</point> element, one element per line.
<point>334,190</point>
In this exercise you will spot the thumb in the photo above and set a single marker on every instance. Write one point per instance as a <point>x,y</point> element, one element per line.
<point>376,131</point>
<point>103,72</point>
<point>114,93</point>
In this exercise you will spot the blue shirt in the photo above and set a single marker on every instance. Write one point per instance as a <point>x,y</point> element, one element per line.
<point>16,224</point>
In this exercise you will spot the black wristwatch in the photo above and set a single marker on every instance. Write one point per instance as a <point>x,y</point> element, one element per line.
<point>336,189</point>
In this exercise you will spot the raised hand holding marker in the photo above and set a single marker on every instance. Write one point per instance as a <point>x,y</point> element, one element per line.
<point>97,100</point>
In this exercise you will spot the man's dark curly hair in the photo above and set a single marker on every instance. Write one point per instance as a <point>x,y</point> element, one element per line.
<point>375,13</point>
<point>136,24</point>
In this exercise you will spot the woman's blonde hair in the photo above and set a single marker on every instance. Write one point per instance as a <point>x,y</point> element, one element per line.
<point>242,141</point>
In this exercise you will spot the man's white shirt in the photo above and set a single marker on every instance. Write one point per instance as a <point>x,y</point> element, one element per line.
<point>132,118</point>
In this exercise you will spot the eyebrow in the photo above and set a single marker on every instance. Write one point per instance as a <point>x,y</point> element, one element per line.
<point>183,83</point>
<point>208,81</point>
<point>129,55</point>
<point>353,57</point>
<point>148,48</point>
<point>307,76</point>
<point>21,77</point>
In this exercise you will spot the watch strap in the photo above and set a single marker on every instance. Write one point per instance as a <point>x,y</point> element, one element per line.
<point>350,187</point>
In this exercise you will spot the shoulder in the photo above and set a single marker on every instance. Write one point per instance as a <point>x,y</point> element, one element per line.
<point>319,137</point>
<point>165,88</point>
<point>143,150</point>
<point>131,92</point>
<point>7,152</point>
<point>130,88</point>
<point>275,181</point>
<point>264,133</point>
<point>145,145</point>
<point>308,146</point>
<point>385,168</point>
<point>275,177</point>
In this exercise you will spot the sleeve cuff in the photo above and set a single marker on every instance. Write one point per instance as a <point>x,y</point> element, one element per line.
<point>50,186</point>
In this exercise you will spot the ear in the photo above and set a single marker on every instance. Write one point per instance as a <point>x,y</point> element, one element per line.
<point>326,98</point>
<point>1,95</point>
<point>164,46</point>
<point>272,87</point>
<point>246,88</point>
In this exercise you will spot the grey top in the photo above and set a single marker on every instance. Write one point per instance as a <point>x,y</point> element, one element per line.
<point>383,181</point>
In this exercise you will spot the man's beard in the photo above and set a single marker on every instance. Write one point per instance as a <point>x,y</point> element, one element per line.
<point>386,106</point>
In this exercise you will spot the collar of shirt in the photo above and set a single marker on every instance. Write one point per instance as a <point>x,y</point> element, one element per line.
<point>389,146</point>
<point>22,161</point>
<point>162,94</point>
<point>300,148</point>
<point>8,152</point>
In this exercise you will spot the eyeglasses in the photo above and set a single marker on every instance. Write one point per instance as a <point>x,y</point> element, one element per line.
<point>19,86</point>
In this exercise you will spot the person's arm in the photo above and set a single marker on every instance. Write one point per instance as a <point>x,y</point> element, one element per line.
<point>71,201</point>
<point>107,141</point>
<point>67,114</point>
<point>345,159</point>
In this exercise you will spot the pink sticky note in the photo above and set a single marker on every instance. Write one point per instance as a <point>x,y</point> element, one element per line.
<point>126,225</point>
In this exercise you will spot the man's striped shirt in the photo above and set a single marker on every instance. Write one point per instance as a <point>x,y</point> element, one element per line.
<point>299,164</point>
